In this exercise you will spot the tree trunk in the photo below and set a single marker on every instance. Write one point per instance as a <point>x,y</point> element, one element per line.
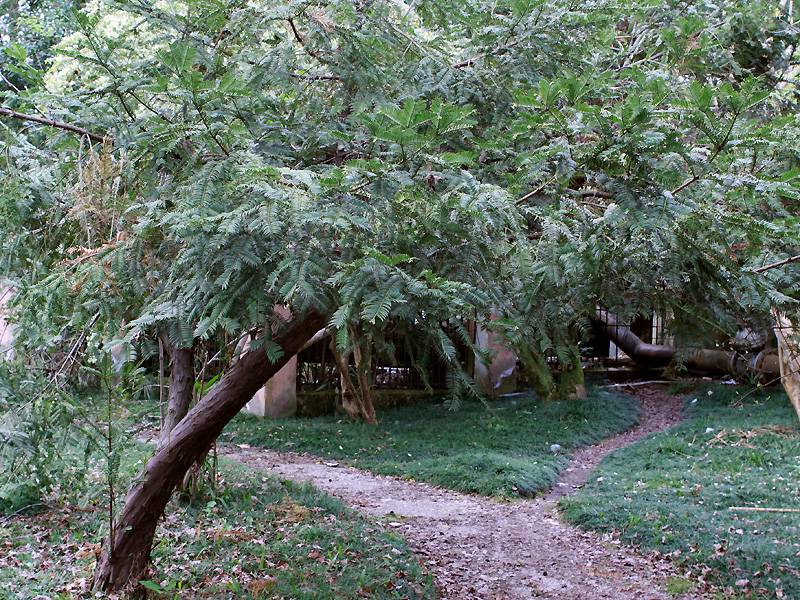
<point>789,356</point>
<point>125,561</point>
<point>356,401</point>
<point>573,383</point>
<point>537,372</point>
<point>362,355</point>
<point>181,388</point>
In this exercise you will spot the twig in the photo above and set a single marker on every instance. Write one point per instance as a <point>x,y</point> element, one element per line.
<point>14,514</point>
<point>7,112</point>
<point>685,184</point>
<point>468,62</point>
<point>535,192</point>
<point>360,186</point>
<point>760,509</point>
<point>299,37</point>
<point>596,194</point>
<point>780,263</point>
<point>637,383</point>
<point>316,77</point>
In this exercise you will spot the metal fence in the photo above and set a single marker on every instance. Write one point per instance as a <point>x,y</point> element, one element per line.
<point>398,369</point>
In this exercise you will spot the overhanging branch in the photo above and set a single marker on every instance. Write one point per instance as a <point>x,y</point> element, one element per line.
<point>7,112</point>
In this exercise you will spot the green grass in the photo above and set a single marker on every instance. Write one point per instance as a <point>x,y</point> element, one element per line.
<point>501,448</point>
<point>250,537</point>
<point>672,492</point>
<point>256,538</point>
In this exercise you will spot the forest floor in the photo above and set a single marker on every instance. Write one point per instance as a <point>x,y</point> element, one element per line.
<point>480,548</point>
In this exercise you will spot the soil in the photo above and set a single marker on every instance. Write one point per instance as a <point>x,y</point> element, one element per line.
<point>480,548</point>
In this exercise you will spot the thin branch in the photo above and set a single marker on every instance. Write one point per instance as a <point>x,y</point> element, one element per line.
<point>593,205</point>
<point>299,37</point>
<point>535,192</point>
<point>596,194</point>
<point>316,77</point>
<point>685,184</point>
<point>780,263</point>
<point>7,112</point>
<point>360,186</point>
<point>470,61</point>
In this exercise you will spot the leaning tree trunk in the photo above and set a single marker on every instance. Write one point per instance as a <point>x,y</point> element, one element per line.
<point>126,553</point>
<point>181,388</point>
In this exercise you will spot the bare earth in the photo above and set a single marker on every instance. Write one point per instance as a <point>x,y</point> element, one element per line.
<point>479,548</point>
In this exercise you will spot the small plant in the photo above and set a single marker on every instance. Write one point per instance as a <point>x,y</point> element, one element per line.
<point>34,427</point>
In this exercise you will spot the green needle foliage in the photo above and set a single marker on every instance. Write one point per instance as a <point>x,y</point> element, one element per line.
<point>407,164</point>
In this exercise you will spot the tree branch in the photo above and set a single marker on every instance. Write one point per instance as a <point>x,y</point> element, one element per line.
<point>302,40</point>
<point>780,263</point>
<point>7,112</point>
<point>469,62</point>
<point>685,184</point>
<point>316,77</point>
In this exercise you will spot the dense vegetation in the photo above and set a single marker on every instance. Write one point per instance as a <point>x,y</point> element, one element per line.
<point>179,169</point>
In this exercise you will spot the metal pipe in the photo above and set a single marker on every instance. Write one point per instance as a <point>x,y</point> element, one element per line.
<point>708,361</point>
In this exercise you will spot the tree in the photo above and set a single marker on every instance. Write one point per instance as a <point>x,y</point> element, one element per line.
<point>365,164</point>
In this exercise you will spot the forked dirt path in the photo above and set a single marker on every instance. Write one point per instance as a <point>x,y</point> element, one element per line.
<point>479,548</point>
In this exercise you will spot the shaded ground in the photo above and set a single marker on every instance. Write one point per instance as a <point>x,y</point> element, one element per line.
<point>485,549</point>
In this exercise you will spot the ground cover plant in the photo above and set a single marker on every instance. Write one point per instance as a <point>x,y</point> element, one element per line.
<point>245,536</point>
<point>504,447</point>
<point>673,492</point>
<point>255,538</point>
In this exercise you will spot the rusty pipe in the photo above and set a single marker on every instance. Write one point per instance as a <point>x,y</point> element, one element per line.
<point>705,360</point>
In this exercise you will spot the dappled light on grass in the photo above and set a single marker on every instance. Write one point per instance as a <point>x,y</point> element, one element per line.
<point>502,447</point>
<point>673,492</point>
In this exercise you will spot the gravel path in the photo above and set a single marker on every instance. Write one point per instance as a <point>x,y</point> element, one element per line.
<point>479,548</point>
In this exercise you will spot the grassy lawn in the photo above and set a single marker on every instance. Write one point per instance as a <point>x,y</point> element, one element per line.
<point>502,448</point>
<point>256,538</point>
<point>250,537</point>
<point>672,492</point>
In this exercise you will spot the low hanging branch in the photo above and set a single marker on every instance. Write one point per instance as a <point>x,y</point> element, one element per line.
<point>7,112</point>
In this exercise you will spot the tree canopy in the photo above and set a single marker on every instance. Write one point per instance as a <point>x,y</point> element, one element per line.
<point>184,167</point>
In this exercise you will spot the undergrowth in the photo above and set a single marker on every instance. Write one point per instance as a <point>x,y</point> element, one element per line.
<point>674,493</point>
<point>255,538</point>
<point>500,448</point>
<point>246,536</point>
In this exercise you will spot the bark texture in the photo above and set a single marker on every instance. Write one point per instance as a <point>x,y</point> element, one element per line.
<point>789,354</point>
<point>181,388</point>
<point>573,383</point>
<point>122,564</point>
<point>356,400</point>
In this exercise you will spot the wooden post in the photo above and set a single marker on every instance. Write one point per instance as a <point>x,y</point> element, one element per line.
<point>789,355</point>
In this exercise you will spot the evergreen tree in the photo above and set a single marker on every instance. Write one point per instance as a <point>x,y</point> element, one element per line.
<point>186,167</point>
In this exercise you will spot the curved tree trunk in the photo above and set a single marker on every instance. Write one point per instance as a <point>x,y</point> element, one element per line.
<point>126,553</point>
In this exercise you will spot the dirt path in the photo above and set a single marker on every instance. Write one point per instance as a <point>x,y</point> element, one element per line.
<point>478,548</point>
